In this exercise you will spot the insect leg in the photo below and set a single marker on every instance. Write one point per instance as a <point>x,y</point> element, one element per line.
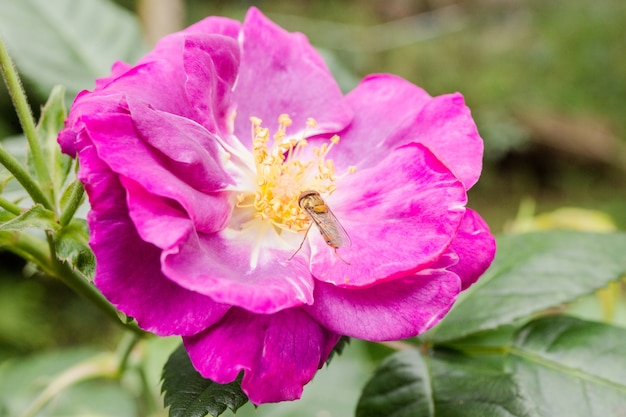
<point>341,259</point>
<point>301,243</point>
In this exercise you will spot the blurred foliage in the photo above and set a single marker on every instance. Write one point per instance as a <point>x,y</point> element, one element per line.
<point>564,55</point>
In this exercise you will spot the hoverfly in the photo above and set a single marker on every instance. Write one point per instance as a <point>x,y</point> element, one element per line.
<point>331,230</point>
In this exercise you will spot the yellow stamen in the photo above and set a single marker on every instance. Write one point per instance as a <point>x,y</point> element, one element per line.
<point>282,174</point>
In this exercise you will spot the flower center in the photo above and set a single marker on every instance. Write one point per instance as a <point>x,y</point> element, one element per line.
<point>282,174</point>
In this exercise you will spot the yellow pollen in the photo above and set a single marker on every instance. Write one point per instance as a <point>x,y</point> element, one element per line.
<point>282,173</point>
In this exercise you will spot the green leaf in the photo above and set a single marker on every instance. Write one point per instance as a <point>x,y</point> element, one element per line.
<point>531,273</point>
<point>68,42</point>
<point>36,217</point>
<point>476,386</point>
<point>498,340</point>
<point>571,367</point>
<point>400,387</point>
<point>50,123</point>
<point>555,366</point>
<point>72,245</point>
<point>190,395</point>
<point>447,385</point>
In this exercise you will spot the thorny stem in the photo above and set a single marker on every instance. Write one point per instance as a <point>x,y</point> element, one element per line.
<point>28,247</point>
<point>18,96</point>
<point>79,284</point>
<point>35,250</point>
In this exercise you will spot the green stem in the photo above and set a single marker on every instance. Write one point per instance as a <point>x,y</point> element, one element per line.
<point>36,251</point>
<point>102,366</point>
<point>23,177</point>
<point>18,96</point>
<point>10,207</point>
<point>124,349</point>
<point>28,247</point>
<point>86,289</point>
<point>123,352</point>
<point>75,200</point>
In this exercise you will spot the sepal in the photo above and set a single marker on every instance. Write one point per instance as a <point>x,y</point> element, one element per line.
<point>188,394</point>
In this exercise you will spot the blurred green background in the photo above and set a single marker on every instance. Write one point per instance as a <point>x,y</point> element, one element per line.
<point>545,79</point>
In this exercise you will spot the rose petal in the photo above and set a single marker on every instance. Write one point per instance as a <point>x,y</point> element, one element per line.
<point>116,139</point>
<point>217,25</point>
<point>187,74</point>
<point>236,268</point>
<point>398,309</point>
<point>446,126</point>
<point>117,69</point>
<point>192,152</point>
<point>159,79</point>
<point>128,269</point>
<point>156,83</point>
<point>400,215</point>
<point>389,100</point>
<point>158,220</point>
<point>281,73</point>
<point>406,113</point>
<point>278,353</point>
<point>84,104</point>
<point>475,246</point>
<point>211,64</point>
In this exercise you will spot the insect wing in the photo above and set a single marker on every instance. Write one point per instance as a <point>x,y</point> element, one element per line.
<point>330,228</point>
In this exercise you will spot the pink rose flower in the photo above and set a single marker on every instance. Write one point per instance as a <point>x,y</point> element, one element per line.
<point>194,160</point>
